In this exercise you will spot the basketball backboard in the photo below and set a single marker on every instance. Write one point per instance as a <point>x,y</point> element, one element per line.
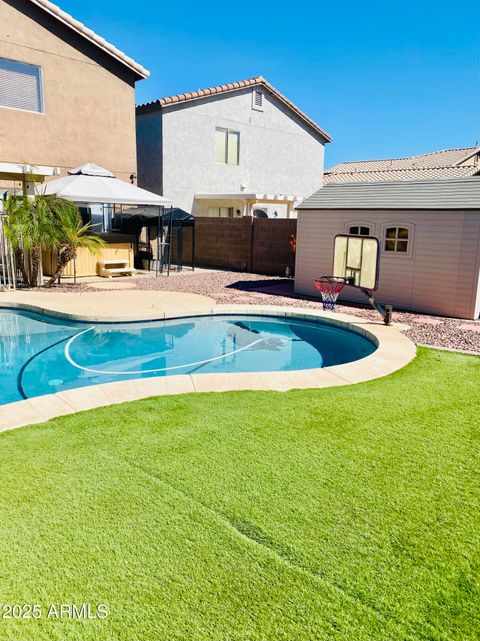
<point>356,258</point>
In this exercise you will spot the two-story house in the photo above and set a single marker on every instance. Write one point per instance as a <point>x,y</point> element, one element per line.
<point>67,96</point>
<point>232,150</point>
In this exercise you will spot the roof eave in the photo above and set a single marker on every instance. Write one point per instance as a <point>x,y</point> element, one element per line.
<point>70,22</point>
<point>158,105</point>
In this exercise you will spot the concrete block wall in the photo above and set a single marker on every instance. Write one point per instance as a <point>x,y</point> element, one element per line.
<point>241,244</point>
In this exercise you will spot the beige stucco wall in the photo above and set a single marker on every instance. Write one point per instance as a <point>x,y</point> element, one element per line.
<point>201,206</point>
<point>440,273</point>
<point>89,99</point>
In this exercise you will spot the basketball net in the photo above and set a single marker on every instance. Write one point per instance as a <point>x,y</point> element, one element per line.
<point>330,288</point>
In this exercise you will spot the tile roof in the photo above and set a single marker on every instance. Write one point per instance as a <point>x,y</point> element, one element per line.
<point>90,35</point>
<point>402,174</point>
<point>447,163</point>
<point>454,194</point>
<point>256,81</point>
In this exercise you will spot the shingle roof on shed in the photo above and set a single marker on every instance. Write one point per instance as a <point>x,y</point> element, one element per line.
<point>442,194</point>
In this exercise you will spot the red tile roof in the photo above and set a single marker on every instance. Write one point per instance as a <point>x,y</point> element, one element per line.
<point>257,81</point>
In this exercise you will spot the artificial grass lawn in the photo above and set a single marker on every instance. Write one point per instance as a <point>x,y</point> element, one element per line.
<point>349,513</point>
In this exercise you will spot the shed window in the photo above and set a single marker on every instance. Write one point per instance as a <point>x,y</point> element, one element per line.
<point>359,230</point>
<point>20,86</point>
<point>227,146</point>
<point>396,239</point>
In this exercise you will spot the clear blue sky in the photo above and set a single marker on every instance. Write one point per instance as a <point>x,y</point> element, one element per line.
<point>385,79</point>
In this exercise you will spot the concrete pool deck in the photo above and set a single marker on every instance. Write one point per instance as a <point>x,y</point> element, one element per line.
<point>394,351</point>
<point>108,306</point>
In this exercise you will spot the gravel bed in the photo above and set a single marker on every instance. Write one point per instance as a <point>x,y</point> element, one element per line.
<point>254,289</point>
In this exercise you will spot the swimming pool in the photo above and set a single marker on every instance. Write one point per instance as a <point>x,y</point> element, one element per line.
<point>42,355</point>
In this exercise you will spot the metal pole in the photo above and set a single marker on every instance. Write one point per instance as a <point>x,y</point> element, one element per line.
<point>158,241</point>
<point>385,312</point>
<point>180,247</point>
<point>193,247</point>
<point>170,241</point>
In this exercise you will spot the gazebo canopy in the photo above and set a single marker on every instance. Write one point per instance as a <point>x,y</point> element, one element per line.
<point>93,184</point>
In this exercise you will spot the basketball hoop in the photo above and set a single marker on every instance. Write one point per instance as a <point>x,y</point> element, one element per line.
<point>330,287</point>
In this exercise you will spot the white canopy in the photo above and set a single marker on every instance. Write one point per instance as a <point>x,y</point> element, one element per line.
<point>93,184</point>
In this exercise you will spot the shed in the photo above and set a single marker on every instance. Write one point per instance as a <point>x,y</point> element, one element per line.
<point>429,233</point>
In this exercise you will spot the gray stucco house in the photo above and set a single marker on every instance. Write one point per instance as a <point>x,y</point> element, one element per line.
<point>230,150</point>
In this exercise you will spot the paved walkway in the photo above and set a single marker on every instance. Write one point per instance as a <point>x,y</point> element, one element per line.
<point>124,305</point>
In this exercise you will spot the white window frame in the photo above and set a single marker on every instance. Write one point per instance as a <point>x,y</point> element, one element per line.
<point>41,92</point>
<point>360,223</point>
<point>230,212</point>
<point>262,97</point>
<point>228,131</point>
<point>410,240</point>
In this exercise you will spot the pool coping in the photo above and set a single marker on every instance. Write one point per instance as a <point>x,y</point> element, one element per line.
<point>394,351</point>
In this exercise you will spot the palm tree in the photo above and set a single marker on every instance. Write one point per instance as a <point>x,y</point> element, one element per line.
<point>70,235</point>
<point>30,227</point>
<point>45,222</point>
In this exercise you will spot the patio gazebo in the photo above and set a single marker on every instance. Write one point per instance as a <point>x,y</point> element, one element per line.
<point>167,231</point>
<point>100,197</point>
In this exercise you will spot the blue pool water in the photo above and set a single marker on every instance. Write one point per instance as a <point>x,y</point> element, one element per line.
<point>41,355</point>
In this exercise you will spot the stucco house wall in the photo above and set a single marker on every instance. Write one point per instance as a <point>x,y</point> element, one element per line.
<point>439,274</point>
<point>176,154</point>
<point>89,103</point>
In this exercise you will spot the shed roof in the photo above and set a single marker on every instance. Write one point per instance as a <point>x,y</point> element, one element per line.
<point>256,81</point>
<point>442,194</point>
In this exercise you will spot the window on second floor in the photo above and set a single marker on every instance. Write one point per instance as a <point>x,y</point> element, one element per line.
<point>359,230</point>
<point>20,86</point>
<point>396,239</point>
<point>227,146</point>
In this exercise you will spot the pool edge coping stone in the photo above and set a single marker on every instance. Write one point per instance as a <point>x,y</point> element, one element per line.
<point>394,351</point>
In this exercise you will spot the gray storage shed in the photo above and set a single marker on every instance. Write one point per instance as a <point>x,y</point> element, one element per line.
<point>429,233</point>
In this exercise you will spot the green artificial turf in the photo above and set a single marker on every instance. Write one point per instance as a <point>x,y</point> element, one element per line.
<point>349,513</point>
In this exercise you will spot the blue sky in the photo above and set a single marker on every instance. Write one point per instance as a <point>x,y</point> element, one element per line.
<point>385,79</point>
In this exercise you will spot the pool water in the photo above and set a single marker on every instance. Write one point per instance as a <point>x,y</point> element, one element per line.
<point>42,355</point>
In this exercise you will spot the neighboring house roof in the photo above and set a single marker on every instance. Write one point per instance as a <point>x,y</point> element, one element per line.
<point>448,163</point>
<point>459,194</point>
<point>91,36</point>
<point>257,81</point>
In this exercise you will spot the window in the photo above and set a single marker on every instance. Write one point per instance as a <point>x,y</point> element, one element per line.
<point>227,146</point>
<point>359,230</point>
<point>220,212</point>
<point>20,86</point>
<point>396,239</point>
<point>257,100</point>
